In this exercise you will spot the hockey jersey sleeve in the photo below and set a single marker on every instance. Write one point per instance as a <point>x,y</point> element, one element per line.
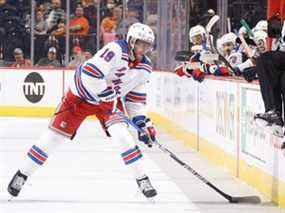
<point>135,91</point>
<point>91,78</point>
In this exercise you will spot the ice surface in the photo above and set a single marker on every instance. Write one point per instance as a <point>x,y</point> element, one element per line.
<point>88,175</point>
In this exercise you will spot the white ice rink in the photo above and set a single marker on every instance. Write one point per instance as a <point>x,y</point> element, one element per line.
<point>88,176</point>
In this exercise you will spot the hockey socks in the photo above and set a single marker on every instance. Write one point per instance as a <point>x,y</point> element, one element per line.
<point>39,152</point>
<point>131,153</point>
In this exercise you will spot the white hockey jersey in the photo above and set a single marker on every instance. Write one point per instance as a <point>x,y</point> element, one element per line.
<point>110,67</point>
<point>235,58</point>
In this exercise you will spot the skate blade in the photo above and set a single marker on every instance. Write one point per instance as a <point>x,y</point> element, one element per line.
<point>150,200</point>
<point>11,199</point>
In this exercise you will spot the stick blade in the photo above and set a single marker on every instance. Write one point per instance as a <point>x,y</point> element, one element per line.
<point>183,55</point>
<point>246,199</point>
<point>211,23</point>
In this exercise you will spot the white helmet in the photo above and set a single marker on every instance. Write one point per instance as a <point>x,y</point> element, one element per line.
<point>261,25</point>
<point>260,40</point>
<point>260,35</point>
<point>196,30</point>
<point>139,31</point>
<point>228,38</point>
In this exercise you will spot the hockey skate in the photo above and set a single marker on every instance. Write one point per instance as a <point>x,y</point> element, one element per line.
<point>270,121</point>
<point>17,183</point>
<point>145,187</point>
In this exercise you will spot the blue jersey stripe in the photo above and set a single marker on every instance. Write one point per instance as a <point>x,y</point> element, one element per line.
<point>38,150</point>
<point>137,93</point>
<point>37,161</point>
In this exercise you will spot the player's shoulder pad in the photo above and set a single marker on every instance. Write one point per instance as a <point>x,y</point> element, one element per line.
<point>123,44</point>
<point>115,47</point>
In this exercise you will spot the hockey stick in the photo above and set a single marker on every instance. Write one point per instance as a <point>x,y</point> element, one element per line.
<point>248,50</point>
<point>208,30</point>
<point>231,199</point>
<point>247,27</point>
<point>185,55</point>
<point>211,23</point>
<point>209,37</point>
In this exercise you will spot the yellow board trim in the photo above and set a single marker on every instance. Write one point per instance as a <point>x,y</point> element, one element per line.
<point>270,186</point>
<point>39,112</point>
<point>27,111</point>
<point>189,139</point>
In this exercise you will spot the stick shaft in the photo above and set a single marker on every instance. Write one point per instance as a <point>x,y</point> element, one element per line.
<point>231,199</point>
<point>195,173</point>
<point>247,49</point>
<point>182,163</point>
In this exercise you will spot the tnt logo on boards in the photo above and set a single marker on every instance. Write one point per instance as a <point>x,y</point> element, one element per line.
<point>34,87</point>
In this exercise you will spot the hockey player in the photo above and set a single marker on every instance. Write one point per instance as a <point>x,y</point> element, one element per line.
<point>247,67</point>
<point>197,35</point>
<point>230,49</point>
<point>118,70</point>
<point>201,62</point>
<point>191,68</point>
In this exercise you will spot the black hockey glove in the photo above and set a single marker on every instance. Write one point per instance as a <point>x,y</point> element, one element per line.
<point>250,74</point>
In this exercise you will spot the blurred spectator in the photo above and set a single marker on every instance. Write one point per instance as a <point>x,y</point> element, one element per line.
<point>109,24</point>
<point>79,25</point>
<point>137,5</point>
<point>41,7</point>
<point>123,25</point>
<point>59,30</point>
<point>55,15</point>
<point>50,60</point>
<point>12,30</point>
<point>20,61</point>
<point>52,41</point>
<point>90,12</point>
<point>40,25</point>
<point>87,55</point>
<point>152,22</point>
<point>106,8</point>
<point>77,57</point>
<point>6,9</point>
